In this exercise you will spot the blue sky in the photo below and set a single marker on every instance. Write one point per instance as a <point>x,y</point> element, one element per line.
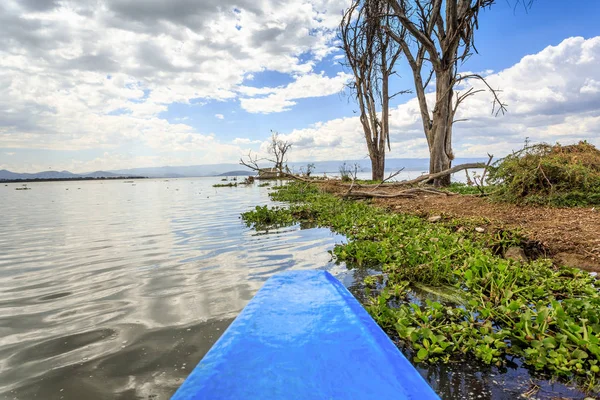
<point>122,83</point>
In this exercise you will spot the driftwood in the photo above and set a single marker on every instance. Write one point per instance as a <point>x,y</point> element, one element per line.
<point>411,192</point>
<point>407,193</point>
<point>414,191</point>
<point>392,175</point>
<point>428,177</point>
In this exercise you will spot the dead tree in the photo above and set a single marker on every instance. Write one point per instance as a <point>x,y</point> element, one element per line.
<point>278,148</point>
<point>371,55</point>
<point>252,161</point>
<point>440,35</point>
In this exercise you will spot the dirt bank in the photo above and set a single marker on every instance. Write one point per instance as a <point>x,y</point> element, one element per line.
<point>571,235</point>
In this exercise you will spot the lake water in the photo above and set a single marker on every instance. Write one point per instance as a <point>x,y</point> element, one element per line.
<point>115,290</point>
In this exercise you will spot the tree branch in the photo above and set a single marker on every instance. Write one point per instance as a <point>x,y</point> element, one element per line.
<point>497,102</point>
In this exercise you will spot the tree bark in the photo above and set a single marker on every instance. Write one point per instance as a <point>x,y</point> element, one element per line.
<point>378,166</point>
<point>371,55</point>
<point>440,33</point>
<point>440,148</point>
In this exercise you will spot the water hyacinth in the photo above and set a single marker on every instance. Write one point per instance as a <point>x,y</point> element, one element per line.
<point>546,315</point>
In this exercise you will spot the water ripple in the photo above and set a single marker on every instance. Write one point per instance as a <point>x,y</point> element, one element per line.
<point>117,291</point>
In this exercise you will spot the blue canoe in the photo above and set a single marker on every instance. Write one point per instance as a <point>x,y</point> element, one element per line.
<point>304,336</point>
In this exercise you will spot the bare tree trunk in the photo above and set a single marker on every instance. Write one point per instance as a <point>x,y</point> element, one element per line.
<point>378,166</point>
<point>441,34</point>
<point>440,150</point>
<point>371,55</point>
<point>439,160</point>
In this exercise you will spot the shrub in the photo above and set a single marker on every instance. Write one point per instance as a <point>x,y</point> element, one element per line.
<point>549,174</point>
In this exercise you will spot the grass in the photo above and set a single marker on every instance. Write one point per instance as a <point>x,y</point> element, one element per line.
<point>548,316</point>
<point>463,188</point>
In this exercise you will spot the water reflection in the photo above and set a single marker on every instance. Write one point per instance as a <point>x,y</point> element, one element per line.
<point>151,365</point>
<point>117,291</point>
<point>471,379</point>
<point>109,290</point>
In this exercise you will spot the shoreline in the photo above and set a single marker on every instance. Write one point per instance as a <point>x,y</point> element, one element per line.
<point>491,307</point>
<point>31,180</point>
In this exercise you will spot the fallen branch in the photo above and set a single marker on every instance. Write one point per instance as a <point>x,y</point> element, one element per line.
<point>350,189</point>
<point>406,193</point>
<point>539,167</point>
<point>481,183</point>
<point>390,177</point>
<point>436,191</point>
<point>368,195</point>
<point>425,178</point>
<point>428,177</point>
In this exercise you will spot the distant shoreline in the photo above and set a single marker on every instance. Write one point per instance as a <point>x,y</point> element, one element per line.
<point>70,179</point>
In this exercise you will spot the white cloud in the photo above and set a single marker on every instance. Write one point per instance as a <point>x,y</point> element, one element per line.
<point>219,116</point>
<point>282,98</point>
<point>245,141</point>
<point>551,97</point>
<point>591,86</point>
<point>100,74</point>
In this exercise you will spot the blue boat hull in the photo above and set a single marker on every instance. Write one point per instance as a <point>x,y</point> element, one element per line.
<point>304,336</point>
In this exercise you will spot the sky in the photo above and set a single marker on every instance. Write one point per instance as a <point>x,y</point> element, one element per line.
<point>92,85</point>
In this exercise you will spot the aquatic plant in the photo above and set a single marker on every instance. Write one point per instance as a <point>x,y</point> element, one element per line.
<point>230,184</point>
<point>547,315</point>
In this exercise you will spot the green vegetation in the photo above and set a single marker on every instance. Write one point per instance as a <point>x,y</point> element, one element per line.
<point>494,308</point>
<point>230,184</point>
<point>264,218</point>
<point>348,172</point>
<point>264,184</point>
<point>463,188</point>
<point>549,175</point>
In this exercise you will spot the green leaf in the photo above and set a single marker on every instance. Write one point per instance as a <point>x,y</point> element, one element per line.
<point>549,343</point>
<point>579,354</point>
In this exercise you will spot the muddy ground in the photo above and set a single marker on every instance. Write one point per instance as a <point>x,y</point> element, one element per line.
<point>571,236</point>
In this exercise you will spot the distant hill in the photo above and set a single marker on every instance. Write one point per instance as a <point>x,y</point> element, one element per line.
<point>102,174</point>
<point>238,173</point>
<point>6,175</point>
<point>320,167</point>
<point>180,172</point>
<point>331,167</point>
